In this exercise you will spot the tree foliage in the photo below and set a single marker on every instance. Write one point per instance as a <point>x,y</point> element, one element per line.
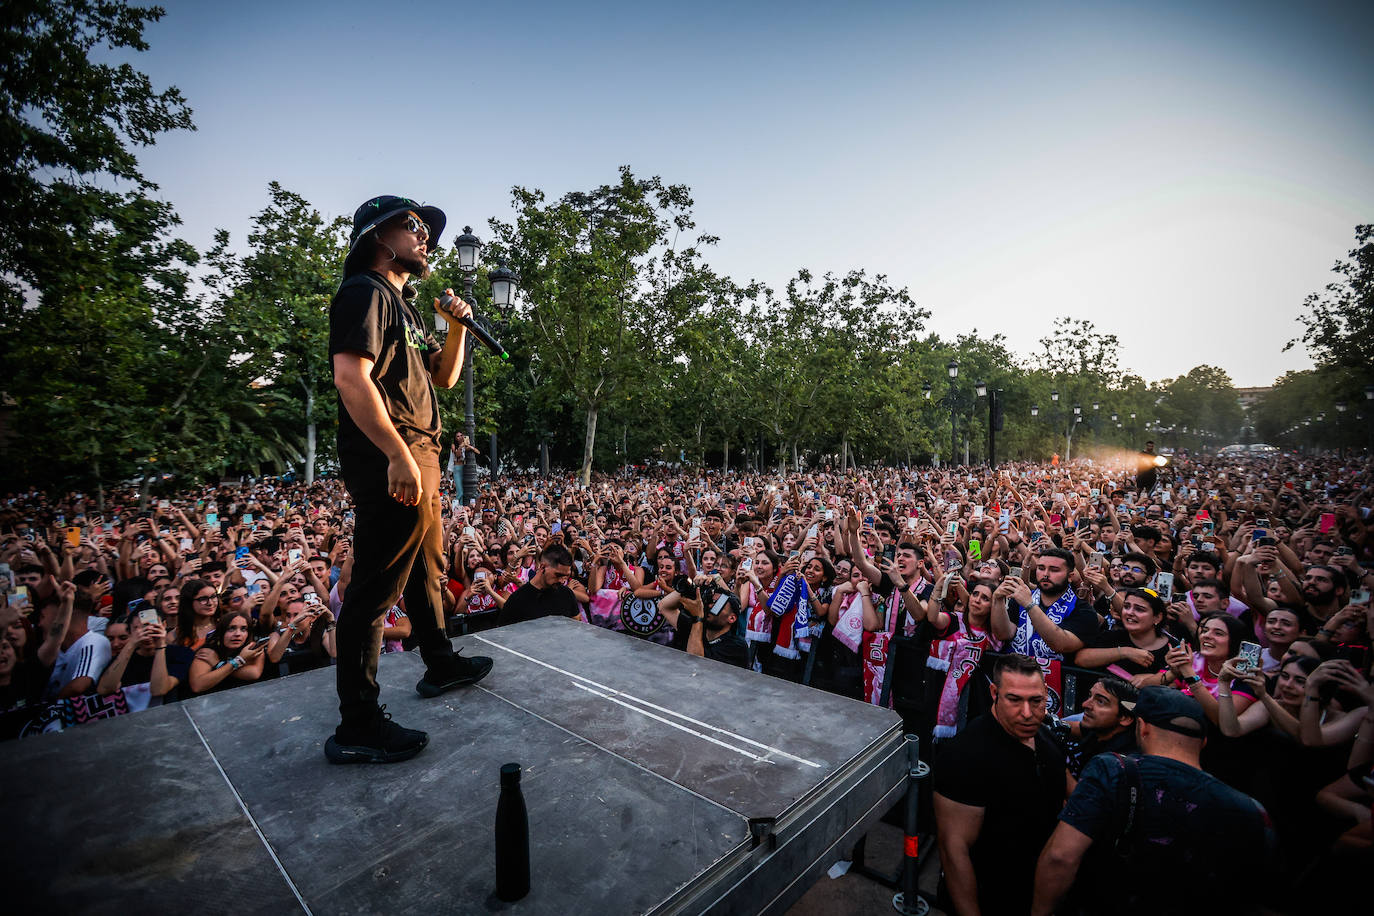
<point>1339,321</point>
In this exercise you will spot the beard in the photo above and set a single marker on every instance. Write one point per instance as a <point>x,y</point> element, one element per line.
<point>1050,589</point>
<point>415,265</point>
<point>1318,595</point>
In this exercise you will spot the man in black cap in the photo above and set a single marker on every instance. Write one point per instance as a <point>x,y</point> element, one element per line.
<point>385,368</point>
<point>1155,834</point>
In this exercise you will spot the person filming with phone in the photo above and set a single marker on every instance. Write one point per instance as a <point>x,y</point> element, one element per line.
<point>229,657</point>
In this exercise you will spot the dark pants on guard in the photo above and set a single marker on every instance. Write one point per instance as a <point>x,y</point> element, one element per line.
<point>397,550</point>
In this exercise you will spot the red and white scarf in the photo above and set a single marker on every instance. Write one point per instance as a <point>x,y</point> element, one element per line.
<point>791,604</point>
<point>849,628</point>
<point>876,645</point>
<point>957,653</point>
<point>759,625</point>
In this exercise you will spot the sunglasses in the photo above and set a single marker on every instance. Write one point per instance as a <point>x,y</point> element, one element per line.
<point>416,227</point>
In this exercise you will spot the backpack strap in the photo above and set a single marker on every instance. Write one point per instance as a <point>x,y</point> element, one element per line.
<point>1127,797</point>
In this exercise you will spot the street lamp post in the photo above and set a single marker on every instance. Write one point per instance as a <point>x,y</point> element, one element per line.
<point>953,368</point>
<point>503,289</point>
<point>994,397</point>
<point>468,247</point>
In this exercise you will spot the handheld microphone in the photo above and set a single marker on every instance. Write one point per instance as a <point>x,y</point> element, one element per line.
<point>477,330</point>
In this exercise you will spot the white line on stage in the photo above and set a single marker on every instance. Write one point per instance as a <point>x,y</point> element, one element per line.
<point>611,693</point>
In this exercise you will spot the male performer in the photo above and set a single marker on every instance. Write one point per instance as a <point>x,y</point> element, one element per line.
<point>385,369</point>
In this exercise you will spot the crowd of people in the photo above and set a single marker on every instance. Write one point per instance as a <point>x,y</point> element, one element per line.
<point>1139,690</point>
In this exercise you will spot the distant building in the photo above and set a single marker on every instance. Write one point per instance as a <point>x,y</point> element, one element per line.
<point>1249,397</point>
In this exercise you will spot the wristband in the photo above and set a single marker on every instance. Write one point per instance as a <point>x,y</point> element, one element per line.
<point>1190,681</point>
<point>236,663</point>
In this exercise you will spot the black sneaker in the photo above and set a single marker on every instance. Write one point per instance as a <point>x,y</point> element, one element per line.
<point>459,672</point>
<point>380,741</point>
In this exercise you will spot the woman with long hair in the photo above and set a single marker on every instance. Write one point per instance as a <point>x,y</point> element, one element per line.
<point>228,658</point>
<point>771,612</point>
<point>1279,709</point>
<point>844,619</point>
<point>196,613</point>
<point>963,633</point>
<point>1136,651</point>
<point>1219,637</point>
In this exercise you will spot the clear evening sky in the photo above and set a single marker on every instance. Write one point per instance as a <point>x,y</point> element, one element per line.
<point>1183,174</point>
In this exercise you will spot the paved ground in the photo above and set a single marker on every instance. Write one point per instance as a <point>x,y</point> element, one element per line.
<point>856,894</point>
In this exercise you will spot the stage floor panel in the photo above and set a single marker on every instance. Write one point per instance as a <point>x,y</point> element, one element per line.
<point>645,770</point>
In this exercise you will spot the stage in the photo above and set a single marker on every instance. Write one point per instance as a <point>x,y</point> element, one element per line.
<point>656,782</point>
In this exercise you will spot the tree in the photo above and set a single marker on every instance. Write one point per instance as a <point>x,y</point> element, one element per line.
<point>276,306</point>
<point>1081,362</point>
<point>582,263</point>
<point>1340,320</point>
<point>67,128</point>
<point>92,288</point>
<point>1203,405</point>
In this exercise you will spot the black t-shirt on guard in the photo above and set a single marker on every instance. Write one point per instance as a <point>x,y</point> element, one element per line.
<point>530,603</point>
<point>369,316</point>
<point>1020,791</point>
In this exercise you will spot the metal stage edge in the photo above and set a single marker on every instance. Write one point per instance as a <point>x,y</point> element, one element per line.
<point>657,782</point>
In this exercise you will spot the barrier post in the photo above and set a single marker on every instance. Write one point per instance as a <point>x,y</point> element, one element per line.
<point>907,901</point>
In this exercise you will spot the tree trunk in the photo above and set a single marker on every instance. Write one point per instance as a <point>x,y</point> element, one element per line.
<point>796,463</point>
<point>309,434</point>
<point>99,487</point>
<point>588,446</point>
<point>844,453</point>
<point>725,464</point>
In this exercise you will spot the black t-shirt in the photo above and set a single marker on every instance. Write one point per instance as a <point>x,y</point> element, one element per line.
<point>1192,833</point>
<point>140,667</point>
<point>1020,792</point>
<point>21,699</point>
<point>729,647</point>
<point>370,317</point>
<point>531,603</point>
<point>1118,638</point>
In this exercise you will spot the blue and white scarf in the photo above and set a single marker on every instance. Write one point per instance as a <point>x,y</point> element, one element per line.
<point>1027,641</point>
<point>791,602</point>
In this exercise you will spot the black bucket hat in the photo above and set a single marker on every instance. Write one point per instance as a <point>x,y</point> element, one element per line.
<point>380,209</point>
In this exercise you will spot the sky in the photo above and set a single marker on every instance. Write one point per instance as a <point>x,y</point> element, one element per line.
<point>1181,174</point>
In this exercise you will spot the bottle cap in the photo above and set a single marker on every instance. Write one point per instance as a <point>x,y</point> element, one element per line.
<point>510,774</point>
